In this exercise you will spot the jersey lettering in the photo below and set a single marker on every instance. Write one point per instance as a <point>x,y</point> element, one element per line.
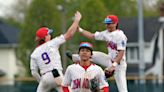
<point>86,83</point>
<point>77,83</point>
<point>112,45</point>
<point>46,58</point>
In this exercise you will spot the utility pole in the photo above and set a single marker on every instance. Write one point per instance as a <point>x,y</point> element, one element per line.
<point>141,47</point>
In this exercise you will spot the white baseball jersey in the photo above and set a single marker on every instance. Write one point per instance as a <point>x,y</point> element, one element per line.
<point>79,78</point>
<point>116,40</point>
<point>46,57</point>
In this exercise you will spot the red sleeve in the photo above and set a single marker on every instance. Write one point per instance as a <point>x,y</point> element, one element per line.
<point>105,89</point>
<point>65,89</point>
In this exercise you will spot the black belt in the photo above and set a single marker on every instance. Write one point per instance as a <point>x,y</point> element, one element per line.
<point>54,72</point>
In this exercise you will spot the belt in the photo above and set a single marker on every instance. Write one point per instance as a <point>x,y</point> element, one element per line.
<point>54,72</point>
<point>46,72</point>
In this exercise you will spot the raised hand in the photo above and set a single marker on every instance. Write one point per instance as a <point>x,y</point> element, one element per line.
<point>78,16</point>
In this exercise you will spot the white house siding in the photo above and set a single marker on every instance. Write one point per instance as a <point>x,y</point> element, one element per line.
<point>8,64</point>
<point>133,52</point>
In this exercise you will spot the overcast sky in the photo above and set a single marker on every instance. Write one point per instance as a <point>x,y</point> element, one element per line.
<point>5,6</point>
<point>6,9</point>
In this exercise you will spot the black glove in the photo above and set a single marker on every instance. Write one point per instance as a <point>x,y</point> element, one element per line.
<point>69,54</point>
<point>94,85</point>
<point>108,74</point>
<point>55,73</point>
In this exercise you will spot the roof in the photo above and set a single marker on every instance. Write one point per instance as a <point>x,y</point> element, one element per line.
<point>130,28</point>
<point>8,34</point>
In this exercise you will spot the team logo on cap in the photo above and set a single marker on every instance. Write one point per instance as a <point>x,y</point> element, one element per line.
<point>85,44</point>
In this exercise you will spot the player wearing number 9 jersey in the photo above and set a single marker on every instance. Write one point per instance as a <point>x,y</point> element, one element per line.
<point>46,58</point>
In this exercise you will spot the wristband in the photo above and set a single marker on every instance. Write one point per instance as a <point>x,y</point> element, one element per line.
<point>114,64</point>
<point>81,30</point>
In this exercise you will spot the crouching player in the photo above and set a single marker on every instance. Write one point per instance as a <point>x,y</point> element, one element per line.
<point>85,76</point>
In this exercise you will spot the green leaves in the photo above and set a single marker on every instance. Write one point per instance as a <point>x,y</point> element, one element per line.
<point>46,13</point>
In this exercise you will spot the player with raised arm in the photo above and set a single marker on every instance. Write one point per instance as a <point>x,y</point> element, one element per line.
<point>85,76</point>
<point>45,63</point>
<point>116,45</point>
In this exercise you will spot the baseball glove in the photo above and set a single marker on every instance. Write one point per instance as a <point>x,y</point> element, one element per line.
<point>108,74</point>
<point>94,85</point>
<point>69,54</point>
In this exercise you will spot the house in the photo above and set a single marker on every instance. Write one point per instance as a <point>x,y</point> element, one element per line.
<point>152,28</point>
<point>130,27</point>
<point>8,44</point>
<point>153,47</point>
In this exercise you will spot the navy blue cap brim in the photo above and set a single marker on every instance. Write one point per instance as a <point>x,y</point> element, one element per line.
<point>108,21</point>
<point>50,31</point>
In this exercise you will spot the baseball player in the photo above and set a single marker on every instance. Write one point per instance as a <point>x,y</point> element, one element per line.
<point>116,45</point>
<point>85,76</point>
<point>46,58</point>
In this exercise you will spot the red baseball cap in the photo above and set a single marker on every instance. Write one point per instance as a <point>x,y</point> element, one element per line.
<point>111,19</point>
<point>42,32</point>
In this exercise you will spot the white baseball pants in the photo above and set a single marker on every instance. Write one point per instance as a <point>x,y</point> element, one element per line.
<point>48,82</point>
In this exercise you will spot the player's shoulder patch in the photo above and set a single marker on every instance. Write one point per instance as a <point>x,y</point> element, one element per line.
<point>123,43</point>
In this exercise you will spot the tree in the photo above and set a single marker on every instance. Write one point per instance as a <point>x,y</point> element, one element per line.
<point>121,8</point>
<point>93,12</point>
